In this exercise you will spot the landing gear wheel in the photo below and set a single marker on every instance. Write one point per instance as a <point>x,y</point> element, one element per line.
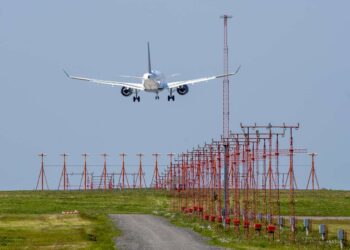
<point>138,99</point>
<point>157,97</point>
<point>171,98</point>
<point>133,98</point>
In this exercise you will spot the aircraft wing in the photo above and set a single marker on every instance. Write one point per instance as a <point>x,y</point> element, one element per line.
<point>172,85</point>
<point>137,86</point>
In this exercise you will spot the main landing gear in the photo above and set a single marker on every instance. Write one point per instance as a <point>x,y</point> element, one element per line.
<point>136,97</point>
<point>171,96</point>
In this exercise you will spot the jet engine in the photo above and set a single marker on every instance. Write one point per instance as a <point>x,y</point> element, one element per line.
<point>182,90</point>
<point>126,91</point>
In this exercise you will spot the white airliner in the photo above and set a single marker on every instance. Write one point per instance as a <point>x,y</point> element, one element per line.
<point>153,81</point>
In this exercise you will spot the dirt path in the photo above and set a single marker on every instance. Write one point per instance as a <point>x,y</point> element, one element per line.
<point>151,232</point>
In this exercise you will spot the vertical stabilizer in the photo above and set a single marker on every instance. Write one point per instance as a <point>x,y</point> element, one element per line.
<point>149,59</point>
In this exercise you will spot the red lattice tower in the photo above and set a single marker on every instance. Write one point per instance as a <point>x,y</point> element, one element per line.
<point>64,174</point>
<point>312,175</point>
<point>171,175</point>
<point>140,175</point>
<point>123,175</point>
<point>104,172</point>
<point>85,155</point>
<point>42,177</point>
<point>156,179</point>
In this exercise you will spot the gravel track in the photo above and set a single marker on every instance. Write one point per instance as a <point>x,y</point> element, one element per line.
<point>151,232</point>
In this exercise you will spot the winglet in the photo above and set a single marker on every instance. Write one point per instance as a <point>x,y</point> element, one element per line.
<point>234,73</point>
<point>230,74</point>
<point>239,67</point>
<point>65,72</point>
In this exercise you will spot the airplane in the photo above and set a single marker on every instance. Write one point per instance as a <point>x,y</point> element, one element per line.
<point>153,81</point>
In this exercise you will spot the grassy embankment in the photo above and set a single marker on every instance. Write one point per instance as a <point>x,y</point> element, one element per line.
<point>34,220</point>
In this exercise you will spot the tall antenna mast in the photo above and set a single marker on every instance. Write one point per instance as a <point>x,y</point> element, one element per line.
<point>226,122</point>
<point>225,85</point>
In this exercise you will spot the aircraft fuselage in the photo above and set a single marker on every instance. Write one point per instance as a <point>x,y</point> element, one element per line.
<point>154,81</point>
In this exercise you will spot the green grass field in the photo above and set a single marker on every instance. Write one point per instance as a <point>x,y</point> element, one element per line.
<point>34,219</point>
<point>307,203</point>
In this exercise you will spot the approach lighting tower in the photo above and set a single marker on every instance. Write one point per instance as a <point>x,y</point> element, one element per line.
<point>42,177</point>
<point>85,155</point>
<point>312,175</point>
<point>104,173</point>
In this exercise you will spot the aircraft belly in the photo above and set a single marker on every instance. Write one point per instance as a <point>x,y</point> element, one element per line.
<point>151,85</point>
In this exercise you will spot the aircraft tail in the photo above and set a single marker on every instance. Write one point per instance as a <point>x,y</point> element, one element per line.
<point>149,59</point>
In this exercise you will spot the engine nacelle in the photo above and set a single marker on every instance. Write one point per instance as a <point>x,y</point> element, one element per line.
<point>182,90</point>
<point>126,91</point>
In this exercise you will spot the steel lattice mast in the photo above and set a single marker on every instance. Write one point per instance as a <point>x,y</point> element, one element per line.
<point>225,85</point>
<point>226,120</point>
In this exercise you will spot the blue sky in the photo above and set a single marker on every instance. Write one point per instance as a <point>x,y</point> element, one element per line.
<point>295,68</point>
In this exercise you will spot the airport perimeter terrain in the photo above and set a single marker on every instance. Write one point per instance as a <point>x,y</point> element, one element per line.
<point>34,219</point>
